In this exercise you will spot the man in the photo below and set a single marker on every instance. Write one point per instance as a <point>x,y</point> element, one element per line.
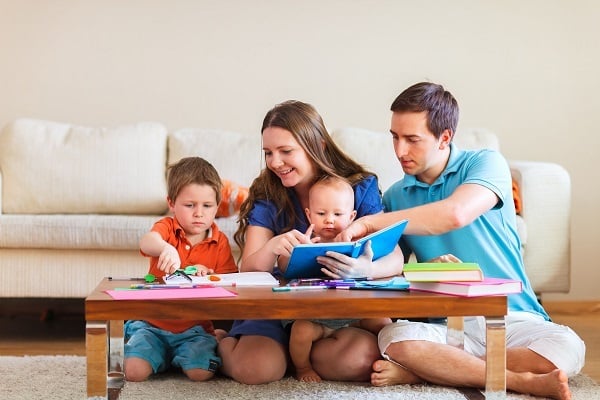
<point>459,203</point>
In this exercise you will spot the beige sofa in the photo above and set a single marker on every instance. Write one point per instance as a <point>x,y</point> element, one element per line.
<point>75,200</point>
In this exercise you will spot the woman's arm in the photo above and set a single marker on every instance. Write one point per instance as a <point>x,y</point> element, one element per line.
<point>340,266</point>
<point>263,249</point>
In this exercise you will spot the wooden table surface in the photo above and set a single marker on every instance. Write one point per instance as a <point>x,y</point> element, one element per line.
<point>263,303</point>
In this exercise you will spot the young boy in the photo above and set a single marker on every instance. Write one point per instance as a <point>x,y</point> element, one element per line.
<point>330,210</point>
<point>189,237</point>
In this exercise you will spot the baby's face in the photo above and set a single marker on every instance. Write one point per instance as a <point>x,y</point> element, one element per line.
<point>331,211</point>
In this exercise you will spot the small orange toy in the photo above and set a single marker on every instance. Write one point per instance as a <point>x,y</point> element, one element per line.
<point>213,278</point>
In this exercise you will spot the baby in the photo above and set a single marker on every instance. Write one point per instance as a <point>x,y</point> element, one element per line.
<point>330,210</point>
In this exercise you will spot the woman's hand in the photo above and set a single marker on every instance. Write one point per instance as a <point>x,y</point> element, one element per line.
<point>340,266</point>
<point>282,245</point>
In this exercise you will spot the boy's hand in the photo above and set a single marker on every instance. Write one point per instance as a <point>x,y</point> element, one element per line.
<point>169,261</point>
<point>203,270</point>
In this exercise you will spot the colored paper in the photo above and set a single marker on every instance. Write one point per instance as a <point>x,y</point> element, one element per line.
<point>160,294</point>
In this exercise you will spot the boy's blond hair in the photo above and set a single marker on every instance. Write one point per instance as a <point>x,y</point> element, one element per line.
<point>190,170</point>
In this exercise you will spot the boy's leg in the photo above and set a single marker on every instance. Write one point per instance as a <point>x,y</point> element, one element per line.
<point>195,352</point>
<point>144,352</point>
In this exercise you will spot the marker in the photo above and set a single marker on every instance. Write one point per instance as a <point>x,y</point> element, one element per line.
<point>295,288</point>
<point>167,286</point>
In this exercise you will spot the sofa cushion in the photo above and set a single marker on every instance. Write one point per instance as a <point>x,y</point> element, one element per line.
<point>68,231</point>
<point>56,168</point>
<point>236,156</point>
<point>372,149</point>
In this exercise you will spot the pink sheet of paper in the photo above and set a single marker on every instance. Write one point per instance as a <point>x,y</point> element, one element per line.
<point>160,294</point>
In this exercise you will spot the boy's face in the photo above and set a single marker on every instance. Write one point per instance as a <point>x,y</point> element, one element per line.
<point>331,210</point>
<point>420,153</point>
<point>195,208</point>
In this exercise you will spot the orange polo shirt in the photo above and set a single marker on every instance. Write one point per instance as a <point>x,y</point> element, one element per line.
<point>213,252</point>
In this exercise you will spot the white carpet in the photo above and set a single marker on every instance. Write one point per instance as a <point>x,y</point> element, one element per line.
<point>63,377</point>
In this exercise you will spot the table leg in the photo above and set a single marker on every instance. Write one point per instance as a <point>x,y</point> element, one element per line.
<point>115,354</point>
<point>96,346</point>
<point>495,379</point>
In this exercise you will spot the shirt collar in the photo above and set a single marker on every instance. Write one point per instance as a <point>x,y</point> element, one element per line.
<point>451,167</point>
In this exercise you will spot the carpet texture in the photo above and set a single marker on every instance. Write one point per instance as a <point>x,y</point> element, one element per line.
<point>64,377</point>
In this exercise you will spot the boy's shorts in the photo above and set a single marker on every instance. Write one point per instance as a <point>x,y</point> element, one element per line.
<point>271,328</point>
<point>556,343</point>
<point>191,349</point>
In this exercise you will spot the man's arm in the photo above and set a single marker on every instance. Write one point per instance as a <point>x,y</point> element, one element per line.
<point>467,203</point>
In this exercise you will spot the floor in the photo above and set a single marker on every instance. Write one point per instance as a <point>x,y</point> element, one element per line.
<point>53,327</point>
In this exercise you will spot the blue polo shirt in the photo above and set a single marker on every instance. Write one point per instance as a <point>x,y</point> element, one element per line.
<point>491,240</point>
<point>367,200</point>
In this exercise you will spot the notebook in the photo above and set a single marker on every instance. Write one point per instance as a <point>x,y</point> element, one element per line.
<point>303,260</point>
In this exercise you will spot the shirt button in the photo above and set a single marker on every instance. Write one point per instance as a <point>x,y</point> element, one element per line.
<point>187,246</point>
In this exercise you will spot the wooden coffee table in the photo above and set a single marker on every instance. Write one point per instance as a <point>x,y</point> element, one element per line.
<point>104,318</point>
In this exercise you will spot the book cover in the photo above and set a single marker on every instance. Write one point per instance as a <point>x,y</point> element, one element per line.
<point>303,261</point>
<point>486,287</point>
<point>435,272</point>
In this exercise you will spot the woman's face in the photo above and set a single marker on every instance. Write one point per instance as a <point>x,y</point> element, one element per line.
<point>286,158</point>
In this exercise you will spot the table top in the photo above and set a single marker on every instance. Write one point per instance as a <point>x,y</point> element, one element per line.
<point>263,303</point>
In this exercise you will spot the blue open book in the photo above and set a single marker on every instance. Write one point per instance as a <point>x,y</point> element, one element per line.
<point>303,261</point>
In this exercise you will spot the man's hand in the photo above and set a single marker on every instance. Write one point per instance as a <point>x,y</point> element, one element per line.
<point>446,258</point>
<point>354,231</point>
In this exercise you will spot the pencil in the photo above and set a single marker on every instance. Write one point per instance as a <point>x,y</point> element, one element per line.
<point>124,278</point>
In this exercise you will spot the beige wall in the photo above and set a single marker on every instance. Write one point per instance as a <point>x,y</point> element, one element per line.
<point>526,70</point>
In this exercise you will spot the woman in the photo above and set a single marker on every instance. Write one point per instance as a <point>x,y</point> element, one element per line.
<point>298,150</point>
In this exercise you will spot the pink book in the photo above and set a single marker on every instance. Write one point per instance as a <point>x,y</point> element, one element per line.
<point>486,287</point>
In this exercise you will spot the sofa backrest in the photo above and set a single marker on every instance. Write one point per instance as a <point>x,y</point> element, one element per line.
<point>375,151</point>
<point>57,168</point>
<point>236,156</point>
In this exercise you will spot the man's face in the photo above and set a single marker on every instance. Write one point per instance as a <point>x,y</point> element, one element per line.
<point>420,153</point>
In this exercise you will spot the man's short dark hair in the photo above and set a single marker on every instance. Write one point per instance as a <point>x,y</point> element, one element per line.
<point>440,105</point>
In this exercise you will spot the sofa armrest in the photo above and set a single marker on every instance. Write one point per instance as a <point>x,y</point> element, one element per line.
<point>546,209</point>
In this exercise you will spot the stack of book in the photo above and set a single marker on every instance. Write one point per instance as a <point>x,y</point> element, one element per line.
<point>460,279</point>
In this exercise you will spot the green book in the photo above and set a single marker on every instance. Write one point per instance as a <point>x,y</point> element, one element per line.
<point>440,272</point>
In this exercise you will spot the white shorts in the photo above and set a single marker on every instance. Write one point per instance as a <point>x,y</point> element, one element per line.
<point>557,343</point>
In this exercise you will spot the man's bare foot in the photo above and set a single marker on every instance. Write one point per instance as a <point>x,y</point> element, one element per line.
<point>386,373</point>
<point>307,375</point>
<point>554,384</point>
<point>220,334</point>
